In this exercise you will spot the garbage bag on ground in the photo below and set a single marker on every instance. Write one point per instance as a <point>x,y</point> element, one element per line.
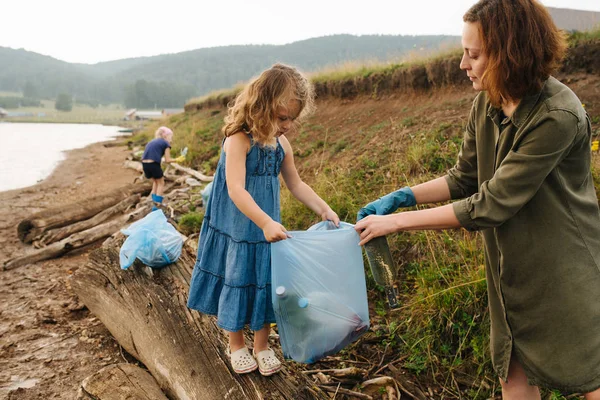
<point>153,240</point>
<point>319,292</point>
<point>206,194</point>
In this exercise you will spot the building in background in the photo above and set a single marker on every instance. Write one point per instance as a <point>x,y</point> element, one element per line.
<point>171,111</point>
<point>138,115</point>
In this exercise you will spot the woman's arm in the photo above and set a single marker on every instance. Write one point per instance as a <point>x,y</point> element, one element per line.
<point>433,191</point>
<point>236,147</point>
<point>301,190</point>
<point>442,217</point>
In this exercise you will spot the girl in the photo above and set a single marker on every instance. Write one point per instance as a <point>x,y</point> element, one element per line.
<point>524,176</point>
<point>232,276</point>
<point>153,153</point>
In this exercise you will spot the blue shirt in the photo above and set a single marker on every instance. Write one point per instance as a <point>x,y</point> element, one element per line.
<point>155,149</point>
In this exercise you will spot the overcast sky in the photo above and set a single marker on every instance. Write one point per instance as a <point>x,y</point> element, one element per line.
<point>89,32</point>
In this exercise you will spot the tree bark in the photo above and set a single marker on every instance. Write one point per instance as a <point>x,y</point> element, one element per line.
<point>77,240</point>
<point>145,310</point>
<point>120,381</point>
<point>31,228</point>
<point>54,235</point>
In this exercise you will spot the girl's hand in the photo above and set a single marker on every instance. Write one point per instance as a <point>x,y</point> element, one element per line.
<point>375,225</point>
<point>274,232</point>
<point>330,215</point>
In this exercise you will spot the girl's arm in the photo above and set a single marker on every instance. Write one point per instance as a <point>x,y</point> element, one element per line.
<point>236,147</point>
<point>301,190</point>
<point>442,217</point>
<point>168,158</point>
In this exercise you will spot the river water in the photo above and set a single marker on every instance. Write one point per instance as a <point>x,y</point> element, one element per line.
<point>30,152</point>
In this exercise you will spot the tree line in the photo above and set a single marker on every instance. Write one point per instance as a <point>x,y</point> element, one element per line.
<point>170,80</point>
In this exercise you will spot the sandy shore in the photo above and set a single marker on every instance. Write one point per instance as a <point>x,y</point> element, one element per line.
<point>49,342</point>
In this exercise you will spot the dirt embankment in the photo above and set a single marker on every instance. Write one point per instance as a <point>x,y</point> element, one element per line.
<point>437,73</point>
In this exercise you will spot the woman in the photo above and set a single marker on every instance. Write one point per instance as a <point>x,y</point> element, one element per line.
<point>523,175</point>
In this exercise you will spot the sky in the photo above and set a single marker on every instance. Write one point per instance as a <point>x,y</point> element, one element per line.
<point>86,31</point>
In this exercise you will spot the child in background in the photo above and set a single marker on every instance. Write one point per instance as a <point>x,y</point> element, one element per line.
<point>153,153</point>
<point>232,275</point>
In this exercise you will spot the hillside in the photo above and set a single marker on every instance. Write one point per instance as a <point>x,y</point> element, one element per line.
<point>361,144</point>
<point>575,20</point>
<point>171,79</point>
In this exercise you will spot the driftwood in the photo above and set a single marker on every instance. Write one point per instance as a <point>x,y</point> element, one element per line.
<point>135,165</point>
<point>32,228</point>
<point>120,381</point>
<point>118,143</point>
<point>77,240</point>
<point>55,235</point>
<point>145,310</point>
<point>193,172</point>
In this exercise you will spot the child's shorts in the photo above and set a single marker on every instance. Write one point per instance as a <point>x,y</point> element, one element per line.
<point>152,170</point>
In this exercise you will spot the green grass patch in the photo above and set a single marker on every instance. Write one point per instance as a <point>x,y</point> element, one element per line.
<point>190,223</point>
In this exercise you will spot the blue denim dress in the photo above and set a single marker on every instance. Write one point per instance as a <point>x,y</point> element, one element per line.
<point>232,275</point>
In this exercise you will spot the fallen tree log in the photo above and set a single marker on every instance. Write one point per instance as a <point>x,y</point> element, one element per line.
<point>77,240</point>
<point>193,172</point>
<point>145,310</point>
<point>32,228</point>
<point>120,381</point>
<point>54,235</point>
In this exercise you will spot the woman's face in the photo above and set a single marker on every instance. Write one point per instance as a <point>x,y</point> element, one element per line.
<point>474,60</point>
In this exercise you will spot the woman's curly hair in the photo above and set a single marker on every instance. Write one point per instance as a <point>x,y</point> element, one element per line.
<point>522,43</point>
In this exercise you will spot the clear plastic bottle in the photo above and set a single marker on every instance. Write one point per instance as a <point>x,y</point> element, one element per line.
<point>291,306</point>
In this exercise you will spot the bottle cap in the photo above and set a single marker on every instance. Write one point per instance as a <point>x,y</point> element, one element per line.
<point>303,302</point>
<point>280,291</point>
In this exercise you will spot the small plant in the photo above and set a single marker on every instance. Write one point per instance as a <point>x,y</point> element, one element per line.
<point>190,223</point>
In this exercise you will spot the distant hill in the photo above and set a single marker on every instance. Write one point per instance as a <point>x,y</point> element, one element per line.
<point>575,20</point>
<point>169,80</point>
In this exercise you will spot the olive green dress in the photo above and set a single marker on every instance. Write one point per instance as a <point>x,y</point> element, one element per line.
<point>526,184</point>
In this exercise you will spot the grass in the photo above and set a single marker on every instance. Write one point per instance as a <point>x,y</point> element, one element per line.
<point>112,114</point>
<point>586,36</point>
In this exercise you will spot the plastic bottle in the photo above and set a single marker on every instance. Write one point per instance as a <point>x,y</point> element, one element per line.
<point>291,306</point>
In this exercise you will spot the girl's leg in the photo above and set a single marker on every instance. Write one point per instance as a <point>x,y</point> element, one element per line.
<point>268,363</point>
<point>160,186</point>
<point>517,387</point>
<point>154,186</point>
<point>242,361</point>
<point>595,395</point>
<point>236,340</point>
<point>261,338</point>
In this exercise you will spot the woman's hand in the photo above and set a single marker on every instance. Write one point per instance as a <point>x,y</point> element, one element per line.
<point>330,215</point>
<point>375,225</point>
<point>274,232</point>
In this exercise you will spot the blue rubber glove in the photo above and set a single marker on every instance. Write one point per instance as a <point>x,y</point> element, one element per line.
<point>389,203</point>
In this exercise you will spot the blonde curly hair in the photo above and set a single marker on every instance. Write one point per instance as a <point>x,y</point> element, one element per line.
<point>254,109</point>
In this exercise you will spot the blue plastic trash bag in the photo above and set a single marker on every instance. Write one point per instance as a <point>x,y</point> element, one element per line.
<point>206,194</point>
<point>153,240</point>
<point>319,292</point>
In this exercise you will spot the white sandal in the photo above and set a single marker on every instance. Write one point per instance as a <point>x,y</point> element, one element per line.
<point>268,363</point>
<point>242,362</point>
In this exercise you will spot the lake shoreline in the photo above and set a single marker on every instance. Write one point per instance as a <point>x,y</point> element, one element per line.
<point>48,337</point>
<point>34,151</point>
